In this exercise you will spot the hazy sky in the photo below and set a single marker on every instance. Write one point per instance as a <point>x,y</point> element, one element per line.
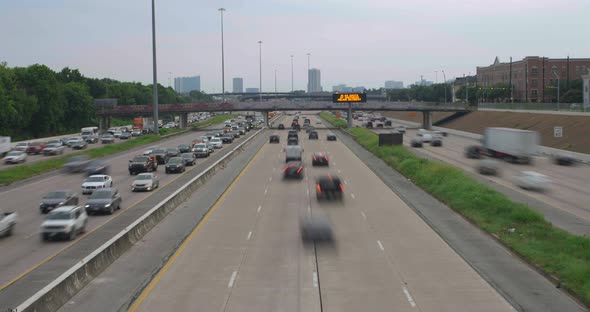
<point>361,42</point>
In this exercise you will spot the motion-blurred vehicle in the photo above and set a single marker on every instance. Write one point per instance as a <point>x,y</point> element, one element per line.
<point>274,139</point>
<point>422,132</point>
<point>292,134</point>
<point>95,167</point>
<point>329,188</point>
<point>161,155</point>
<point>564,160</point>
<point>140,164</point>
<point>534,181</point>
<point>73,141</point>
<point>111,131</point>
<point>55,141</point>
<point>211,135</point>
<point>512,145</point>
<point>293,152</point>
<point>107,139</point>
<point>236,134</point>
<point>216,143</point>
<point>105,200</point>
<point>78,145</point>
<point>117,133</point>
<point>227,138</point>
<point>136,133</point>
<point>369,125</point>
<point>436,141</point>
<point>184,148</point>
<point>426,138</point>
<point>313,135</point>
<point>320,159</point>
<point>488,167</point>
<point>440,133</point>
<point>473,152</point>
<point>379,125</point>
<point>15,157</point>
<point>95,182</point>
<point>401,129</point>
<point>149,150</point>
<point>416,143</point>
<point>189,158</point>
<point>293,170</point>
<point>22,147</point>
<point>331,137</point>
<point>146,181</point>
<point>125,136</point>
<point>172,152</point>
<point>57,199</point>
<point>36,148</point>
<point>388,123</point>
<point>175,164</point>
<point>242,130</point>
<point>64,222</point>
<point>76,163</point>
<point>7,222</point>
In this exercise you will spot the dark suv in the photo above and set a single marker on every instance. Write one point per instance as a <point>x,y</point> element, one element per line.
<point>161,155</point>
<point>57,199</point>
<point>313,135</point>
<point>274,139</point>
<point>329,187</point>
<point>140,164</point>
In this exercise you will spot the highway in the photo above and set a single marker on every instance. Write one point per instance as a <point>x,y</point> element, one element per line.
<point>24,250</point>
<point>247,254</point>
<point>567,193</point>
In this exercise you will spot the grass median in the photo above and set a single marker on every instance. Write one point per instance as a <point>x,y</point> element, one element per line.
<point>214,120</point>
<point>559,253</point>
<point>336,122</point>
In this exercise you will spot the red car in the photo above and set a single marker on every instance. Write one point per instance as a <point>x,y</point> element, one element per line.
<point>36,148</point>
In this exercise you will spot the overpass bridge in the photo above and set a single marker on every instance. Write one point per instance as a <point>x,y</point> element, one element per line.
<point>291,95</point>
<point>105,112</point>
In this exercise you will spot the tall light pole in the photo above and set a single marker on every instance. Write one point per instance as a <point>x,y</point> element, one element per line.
<point>275,82</point>
<point>308,77</point>
<point>558,83</point>
<point>155,72</point>
<point>292,73</point>
<point>445,78</point>
<point>260,87</point>
<point>221,10</point>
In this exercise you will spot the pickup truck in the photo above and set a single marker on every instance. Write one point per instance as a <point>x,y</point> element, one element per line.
<point>7,223</point>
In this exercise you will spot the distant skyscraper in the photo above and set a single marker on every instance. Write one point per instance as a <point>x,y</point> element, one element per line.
<point>187,84</point>
<point>393,84</point>
<point>251,90</point>
<point>238,85</point>
<point>314,83</point>
<point>359,89</point>
<point>341,88</point>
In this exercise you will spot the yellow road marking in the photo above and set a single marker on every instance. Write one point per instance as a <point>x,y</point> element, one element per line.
<point>179,251</point>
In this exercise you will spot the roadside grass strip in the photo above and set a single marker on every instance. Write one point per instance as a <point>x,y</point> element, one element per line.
<point>564,256</point>
<point>215,120</point>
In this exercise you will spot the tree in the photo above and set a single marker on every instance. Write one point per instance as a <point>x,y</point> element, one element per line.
<point>79,105</point>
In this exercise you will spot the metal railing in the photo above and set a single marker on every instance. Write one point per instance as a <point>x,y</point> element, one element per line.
<point>569,107</point>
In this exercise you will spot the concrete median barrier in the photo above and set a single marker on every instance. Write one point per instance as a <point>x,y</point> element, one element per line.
<point>59,291</point>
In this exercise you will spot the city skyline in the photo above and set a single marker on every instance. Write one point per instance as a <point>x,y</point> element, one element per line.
<point>121,49</point>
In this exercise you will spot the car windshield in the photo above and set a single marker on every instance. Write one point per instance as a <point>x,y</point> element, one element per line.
<point>215,140</point>
<point>159,151</point>
<point>14,154</point>
<point>200,146</point>
<point>144,176</point>
<point>140,159</point>
<point>95,179</point>
<point>56,195</point>
<point>59,215</point>
<point>101,195</point>
<point>175,160</point>
<point>52,145</point>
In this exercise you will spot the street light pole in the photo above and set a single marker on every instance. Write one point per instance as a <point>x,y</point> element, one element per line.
<point>221,10</point>
<point>260,53</point>
<point>275,82</point>
<point>155,71</point>
<point>308,75</point>
<point>292,89</point>
<point>445,78</point>
<point>558,87</point>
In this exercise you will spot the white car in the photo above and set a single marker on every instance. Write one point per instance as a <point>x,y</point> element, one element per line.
<point>426,138</point>
<point>22,147</point>
<point>66,221</point>
<point>216,142</point>
<point>117,134</point>
<point>15,157</point>
<point>94,182</point>
<point>421,132</point>
<point>146,181</point>
<point>530,180</point>
<point>73,141</point>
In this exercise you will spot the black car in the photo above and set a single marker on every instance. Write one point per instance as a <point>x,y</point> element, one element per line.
<point>76,163</point>
<point>189,158</point>
<point>292,141</point>
<point>274,139</point>
<point>473,151</point>
<point>227,138</point>
<point>107,139</point>
<point>140,164</point>
<point>416,143</point>
<point>331,137</point>
<point>320,159</point>
<point>57,199</point>
<point>103,200</point>
<point>313,135</point>
<point>90,139</point>
<point>316,229</point>
<point>292,134</point>
<point>125,136</point>
<point>236,134</point>
<point>388,123</point>
<point>329,187</point>
<point>96,167</point>
<point>184,148</point>
<point>370,125</point>
<point>161,155</point>
<point>436,142</point>
<point>563,160</point>
<point>175,164</point>
<point>281,127</point>
<point>172,152</point>
<point>293,170</point>
<point>79,145</point>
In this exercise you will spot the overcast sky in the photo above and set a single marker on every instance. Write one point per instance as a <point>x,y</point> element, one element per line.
<point>356,42</point>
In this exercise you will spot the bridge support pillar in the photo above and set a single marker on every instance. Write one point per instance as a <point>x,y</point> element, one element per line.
<point>104,123</point>
<point>427,120</point>
<point>349,115</point>
<point>183,120</point>
<point>265,114</point>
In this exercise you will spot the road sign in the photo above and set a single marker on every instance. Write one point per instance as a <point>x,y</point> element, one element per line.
<point>349,97</point>
<point>558,132</point>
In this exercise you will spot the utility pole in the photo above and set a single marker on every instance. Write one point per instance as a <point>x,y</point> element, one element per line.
<point>275,82</point>
<point>292,80</point>
<point>260,53</point>
<point>221,10</point>
<point>445,78</point>
<point>155,71</point>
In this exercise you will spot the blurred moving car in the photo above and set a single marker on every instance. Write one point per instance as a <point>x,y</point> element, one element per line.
<point>331,137</point>
<point>388,123</point>
<point>315,228</point>
<point>329,187</point>
<point>293,170</point>
<point>313,135</point>
<point>22,147</point>
<point>78,145</point>
<point>473,152</point>
<point>488,167</point>
<point>107,139</point>
<point>416,143</point>
<point>95,182</point>
<point>57,199</point>
<point>426,138</point>
<point>216,143</point>
<point>76,163</point>
<point>15,157</point>
<point>421,132</point>
<point>74,140</point>
<point>136,133</point>
<point>149,150</point>
<point>274,139</point>
<point>436,141</point>
<point>534,181</point>
<point>172,152</point>
<point>564,160</point>
<point>66,221</point>
<point>441,133</point>
<point>118,134</point>
<point>188,158</point>
<point>147,181</point>
<point>292,141</point>
<point>184,148</point>
<point>96,167</point>
<point>175,164</point>
<point>401,129</point>
<point>36,148</point>
<point>125,136</point>
<point>320,159</point>
<point>293,152</point>
<point>105,200</point>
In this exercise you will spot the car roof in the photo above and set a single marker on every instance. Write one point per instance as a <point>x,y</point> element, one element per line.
<point>146,173</point>
<point>98,175</point>
<point>64,209</point>
<point>321,154</point>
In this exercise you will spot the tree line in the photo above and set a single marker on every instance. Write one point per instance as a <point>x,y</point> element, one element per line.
<point>36,101</point>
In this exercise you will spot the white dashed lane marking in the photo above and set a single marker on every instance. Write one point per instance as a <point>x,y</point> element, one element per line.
<point>380,245</point>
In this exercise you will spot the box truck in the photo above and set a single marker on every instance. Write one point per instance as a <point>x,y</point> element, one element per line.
<point>513,145</point>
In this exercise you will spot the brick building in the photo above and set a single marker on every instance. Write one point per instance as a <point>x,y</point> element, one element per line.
<point>533,78</point>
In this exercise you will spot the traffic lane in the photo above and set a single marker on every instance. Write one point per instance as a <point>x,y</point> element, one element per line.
<point>25,249</point>
<point>211,269</point>
<point>398,243</point>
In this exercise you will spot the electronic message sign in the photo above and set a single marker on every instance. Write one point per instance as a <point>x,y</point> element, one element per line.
<point>349,97</point>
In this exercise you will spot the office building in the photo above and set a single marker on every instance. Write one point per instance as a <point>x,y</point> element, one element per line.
<point>533,77</point>
<point>314,80</point>
<point>238,85</point>
<point>187,84</point>
<point>393,84</point>
<point>251,90</point>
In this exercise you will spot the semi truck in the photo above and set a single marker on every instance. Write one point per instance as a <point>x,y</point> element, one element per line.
<point>513,145</point>
<point>5,145</point>
<point>143,124</point>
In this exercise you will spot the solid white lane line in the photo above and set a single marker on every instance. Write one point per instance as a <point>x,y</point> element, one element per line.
<point>315,279</point>
<point>352,195</point>
<point>249,235</point>
<point>259,208</point>
<point>364,215</point>
<point>380,245</point>
<point>409,297</point>
<point>232,279</point>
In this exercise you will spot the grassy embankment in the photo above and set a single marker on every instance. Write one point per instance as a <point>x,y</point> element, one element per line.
<point>18,173</point>
<point>557,252</point>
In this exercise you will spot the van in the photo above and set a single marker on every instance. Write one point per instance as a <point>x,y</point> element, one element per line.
<point>293,152</point>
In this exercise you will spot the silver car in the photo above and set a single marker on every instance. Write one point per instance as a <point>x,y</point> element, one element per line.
<point>146,181</point>
<point>53,149</point>
<point>15,157</point>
